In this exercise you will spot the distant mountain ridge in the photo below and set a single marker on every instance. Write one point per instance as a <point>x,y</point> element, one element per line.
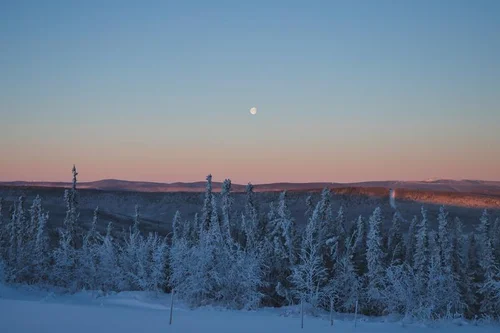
<point>445,185</point>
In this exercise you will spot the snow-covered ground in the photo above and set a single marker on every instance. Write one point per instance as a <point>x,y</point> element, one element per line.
<point>23,310</point>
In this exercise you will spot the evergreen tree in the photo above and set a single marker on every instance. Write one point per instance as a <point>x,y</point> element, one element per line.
<point>360,246</point>
<point>473,274</point>
<point>421,256</point>
<point>459,268</point>
<point>488,272</point>
<point>108,274</point>
<point>3,235</point>
<point>40,255</point>
<point>345,286</point>
<point>177,231</point>
<point>410,241</point>
<point>375,262</point>
<point>282,256</point>
<point>395,244</point>
<point>309,207</point>
<point>226,208</point>
<point>206,213</point>
<point>72,211</point>
<point>310,275</point>
<point>450,293</point>
<point>495,240</point>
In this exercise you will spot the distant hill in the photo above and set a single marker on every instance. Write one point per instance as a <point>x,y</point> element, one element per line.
<point>443,185</point>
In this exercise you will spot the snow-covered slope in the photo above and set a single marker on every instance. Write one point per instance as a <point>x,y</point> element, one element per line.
<point>131,312</point>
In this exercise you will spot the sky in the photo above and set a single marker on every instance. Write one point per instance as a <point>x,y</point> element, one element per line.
<point>161,90</point>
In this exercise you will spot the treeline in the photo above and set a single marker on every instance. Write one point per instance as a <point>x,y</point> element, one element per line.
<point>260,257</point>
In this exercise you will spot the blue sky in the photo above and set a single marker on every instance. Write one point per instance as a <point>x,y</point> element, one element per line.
<point>346,90</point>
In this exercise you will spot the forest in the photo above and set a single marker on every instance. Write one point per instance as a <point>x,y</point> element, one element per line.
<point>260,257</point>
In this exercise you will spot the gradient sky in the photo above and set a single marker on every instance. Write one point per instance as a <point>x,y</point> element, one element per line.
<point>161,91</point>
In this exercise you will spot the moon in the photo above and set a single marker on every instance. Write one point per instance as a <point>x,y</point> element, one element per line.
<point>253,110</point>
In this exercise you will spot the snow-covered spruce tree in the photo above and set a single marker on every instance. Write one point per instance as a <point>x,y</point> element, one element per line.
<point>243,283</point>
<point>449,293</point>
<point>177,227</point>
<point>191,230</point>
<point>3,235</point>
<point>108,274</point>
<point>16,263</point>
<point>421,257</point>
<point>473,275</point>
<point>375,262</point>
<point>65,255</point>
<point>410,243</point>
<point>488,272</point>
<point>360,246</point>
<point>340,230</point>
<point>206,212</point>
<point>395,242</point>
<point>345,286</point>
<point>434,305</point>
<point>400,295</point>
<point>252,215</point>
<point>282,254</point>
<point>226,201</point>
<point>87,256</point>
<point>309,207</point>
<point>459,268</point>
<point>183,264</point>
<point>130,260</point>
<point>309,275</point>
<point>72,210</point>
<point>211,260</point>
<point>495,240</point>
<point>158,272</point>
<point>63,273</point>
<point>41,254</point>
<point>11,251</point>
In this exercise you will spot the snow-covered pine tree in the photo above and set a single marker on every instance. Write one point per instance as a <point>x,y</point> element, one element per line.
<point>488,272</point>
<point>309,207</point>
<point>22,240</point>
<point>360,246</point>
<point>345,286</point>
<point>27,253</point>
<point>11,255</point>
<point>459,268</point>
<point>226,210</point>
<point>86,270</point>
<point>309,275</point>
<point>206,212</point>
<point>473,275</point>
<point>158,274</point>
<point>252,214</point>
<point>434,305</point>
<point>63,273</point>
<point>395,243</point>
<point>213,260</point>
<point>495,240</point>
<point>421,254</point>
<point>177,230</point>
<point>41,256</point>
<point>108,274</point>
<point>282,254</point>
<point>450,295</point>
<point>72,210</point>
<point>191,230</point>
<point>3,235</point>
<point>130,261</point>
<point>410,241</point>
<point>340,228</point>
<point>375,264</point>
